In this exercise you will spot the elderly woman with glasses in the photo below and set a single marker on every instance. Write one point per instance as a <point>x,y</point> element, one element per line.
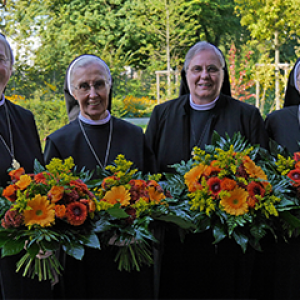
<point>198,269</point>
<point>19,147</point>
<point>95,138</point>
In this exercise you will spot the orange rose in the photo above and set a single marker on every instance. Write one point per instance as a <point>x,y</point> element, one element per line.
<point>60,211</point>
<point>15,174</point>
<point>10,193</point>
<point>56,193</point>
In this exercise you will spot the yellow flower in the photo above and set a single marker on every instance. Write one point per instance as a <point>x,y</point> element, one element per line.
<point>234,203</point>
<point>118,194</point>
<point>40,212</point>
<point>155,195</point>
<point>24,182</point>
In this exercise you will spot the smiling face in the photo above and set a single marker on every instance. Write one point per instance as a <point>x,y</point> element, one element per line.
<point>93,101</point>
<point>5,67</point>
<point>205,77</point>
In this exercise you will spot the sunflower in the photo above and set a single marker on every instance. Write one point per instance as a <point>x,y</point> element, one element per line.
<point>41,212</point>
<point>235,203</point>
<point>255,188</point>
<point>193,176</point>
<point>118,194</point>
<point>254,171</point>
<point>214,185</point>
<point>24,182</point>
<point>228,184</point>
<point>76,213</point>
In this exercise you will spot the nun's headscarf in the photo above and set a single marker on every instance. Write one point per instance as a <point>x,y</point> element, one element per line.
<point>71,103</point>
<point>225,89</point>
<point>10,52</point>
<point>292,93</point>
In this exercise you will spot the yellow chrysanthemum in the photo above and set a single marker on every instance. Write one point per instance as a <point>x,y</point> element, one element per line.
<point>118,194</point>
<point>41,212</point>
<point>254,171</point>
<point>234,203</point>
<point>192,177</point>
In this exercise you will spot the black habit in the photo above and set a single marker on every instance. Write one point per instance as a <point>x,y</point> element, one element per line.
<point>280,263</point>
<point>27,148</point>
<point>96,276</point>
<point>197,269</point>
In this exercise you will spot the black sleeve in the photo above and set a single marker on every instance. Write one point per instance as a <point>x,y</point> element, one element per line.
<point>50,151</point>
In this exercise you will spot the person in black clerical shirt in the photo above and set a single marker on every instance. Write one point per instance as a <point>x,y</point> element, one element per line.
<point>95,138</point>
<point>278,268</point>
<point>19,147</point>
<point>197,269</point>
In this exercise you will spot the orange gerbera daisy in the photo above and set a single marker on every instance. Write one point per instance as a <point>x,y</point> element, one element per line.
<point>228,184</point>
<point>118,194</point>
<point>214,185</point>
<point>56,193</point>
<point>41,213</point>
<point>236,202</point>
<point>155,195</point>
<point>10,193</point>
<point>76,213</point>
<point>297,156</point>
<point>212,169</point>
<point>24,182</point>
<point>15,174</point>
<point>192,177</point>
<point>60,211</point>
<point>254,171</point>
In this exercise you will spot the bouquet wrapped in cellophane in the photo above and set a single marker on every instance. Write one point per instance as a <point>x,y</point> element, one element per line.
<point>46,211</point>
<point>129,203</point>
<point>229,193</point>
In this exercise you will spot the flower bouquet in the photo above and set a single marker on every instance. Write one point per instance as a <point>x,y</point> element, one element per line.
<point>228,193</point>
<point>46,211</point>
<point>285,169</point>
<point>128,205</point>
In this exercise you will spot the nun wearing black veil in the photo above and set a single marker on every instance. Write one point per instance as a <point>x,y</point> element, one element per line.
<point>278,268</point>
<point>19,147</point>
<point>283,126</point>
<point>196,269</point>
<point>95,138</point>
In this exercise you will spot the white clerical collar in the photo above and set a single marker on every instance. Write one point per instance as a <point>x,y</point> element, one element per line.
<point>2,100</point>
<point>207,106</point>
<point>97,122</point>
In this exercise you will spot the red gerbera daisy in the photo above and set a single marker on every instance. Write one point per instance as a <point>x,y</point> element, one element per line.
<point>255,188</point>
<point>295,175</point>
<point>76,213</point>
<point>214,184</point>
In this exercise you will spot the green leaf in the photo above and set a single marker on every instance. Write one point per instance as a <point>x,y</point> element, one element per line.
<point>77,251</point>
<point>93,241</point>
<point>182,223</point>
<point>117,212</point>
<point>292,220</point>
<point>13,247</point>
<point>219,233</point>
<point>241,239</point>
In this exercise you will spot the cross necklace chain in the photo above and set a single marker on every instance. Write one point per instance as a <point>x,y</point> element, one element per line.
<point>92,148</point>
<point>15,164</point>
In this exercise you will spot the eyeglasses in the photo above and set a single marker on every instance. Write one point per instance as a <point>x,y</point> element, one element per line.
<point>212,70</point>
<point>84,87</point>
<point>3,61</point>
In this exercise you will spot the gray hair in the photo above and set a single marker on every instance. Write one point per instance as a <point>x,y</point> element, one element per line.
<point>85,60</point>
<point>201,46</point>
<point>8,50</point>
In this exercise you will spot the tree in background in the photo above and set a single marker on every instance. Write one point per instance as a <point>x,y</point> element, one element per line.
<point>272,23</point>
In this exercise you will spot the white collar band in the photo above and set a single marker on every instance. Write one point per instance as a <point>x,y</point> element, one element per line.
<point>97,122</point>
<point>207,106</point>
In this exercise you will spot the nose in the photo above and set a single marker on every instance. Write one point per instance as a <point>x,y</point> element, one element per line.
<point>93,92</point>
<point>204,73</point>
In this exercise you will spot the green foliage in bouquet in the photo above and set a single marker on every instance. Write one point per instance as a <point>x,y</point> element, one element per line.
<point>228,193</point>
